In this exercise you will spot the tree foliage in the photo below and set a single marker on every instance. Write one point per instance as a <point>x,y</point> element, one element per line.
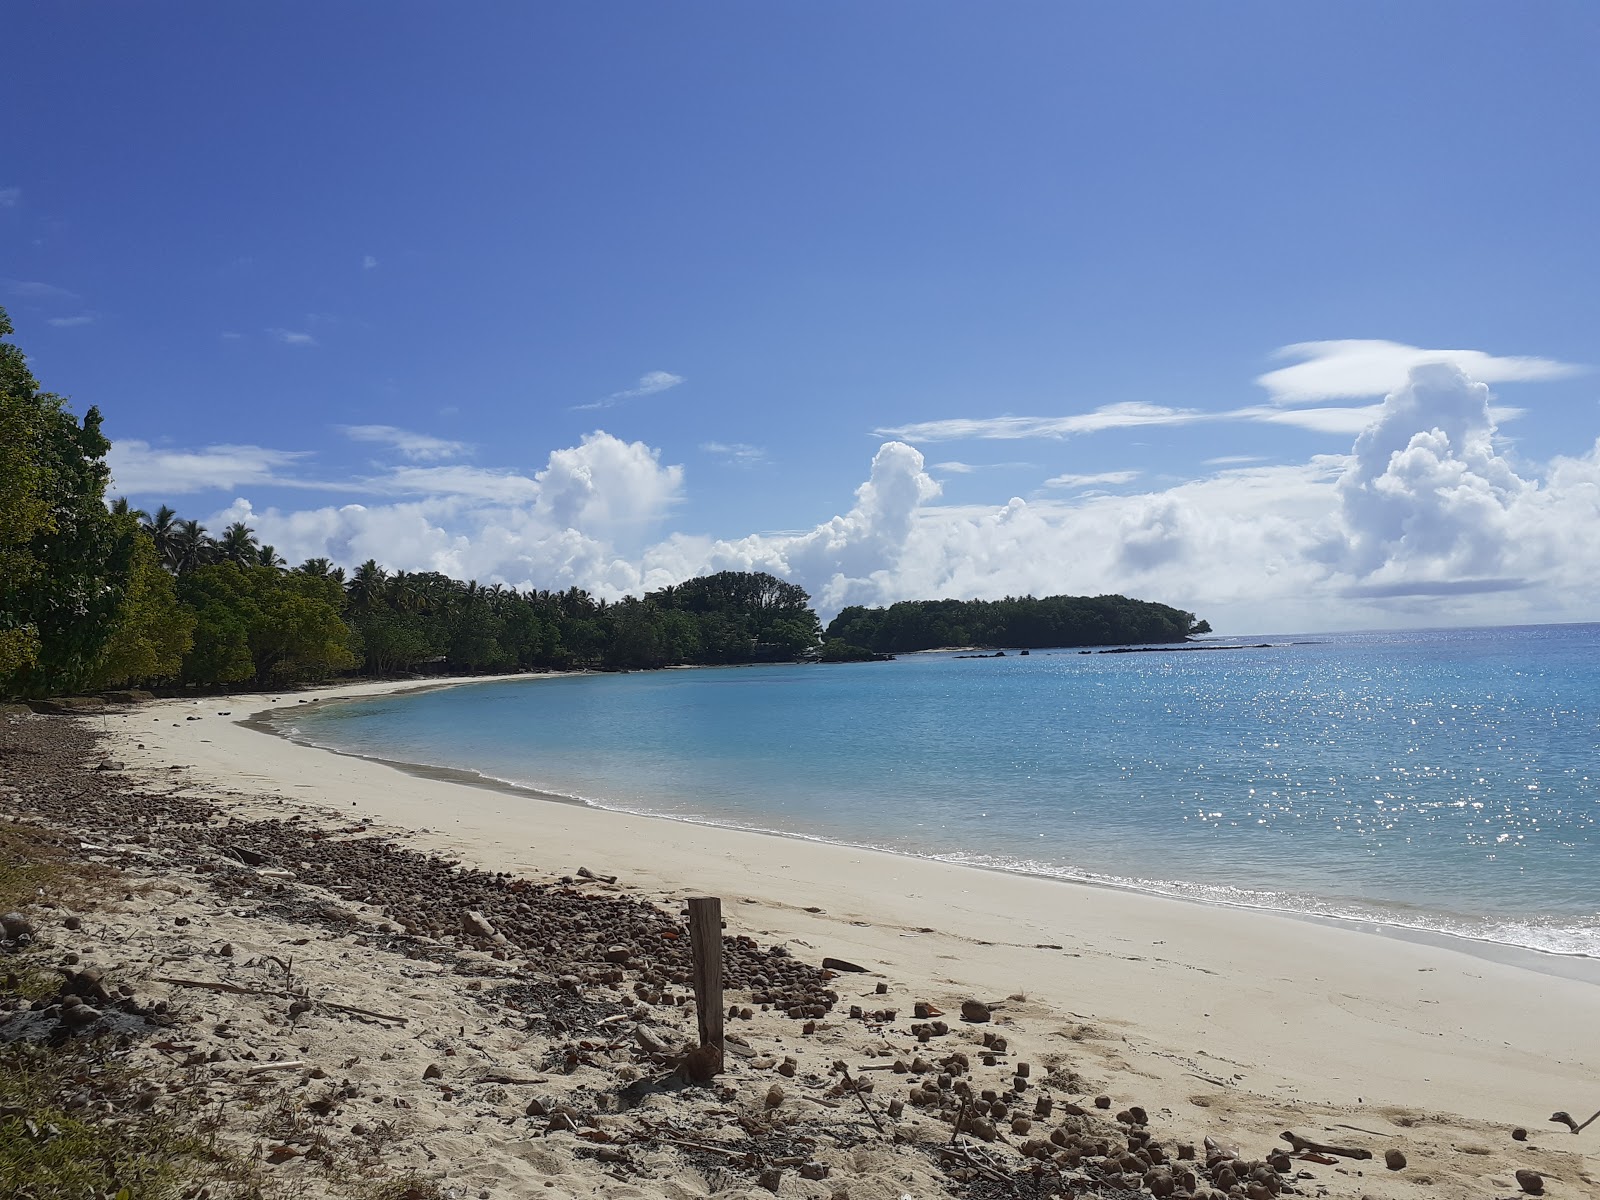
<point>1015,621</point>
<point>67,558</point>
<point>151,632</point>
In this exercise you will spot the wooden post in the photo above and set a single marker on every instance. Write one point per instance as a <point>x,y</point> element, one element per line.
<point>705,939</point>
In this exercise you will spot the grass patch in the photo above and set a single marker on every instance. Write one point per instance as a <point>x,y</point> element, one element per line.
<point>57,1138</point>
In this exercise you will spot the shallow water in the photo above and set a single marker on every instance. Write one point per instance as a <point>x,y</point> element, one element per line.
<point>1442,780</point>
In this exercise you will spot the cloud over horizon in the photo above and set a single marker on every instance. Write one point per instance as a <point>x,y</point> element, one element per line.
<point>1423,520</point>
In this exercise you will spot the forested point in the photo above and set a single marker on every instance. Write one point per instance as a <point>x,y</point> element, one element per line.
<point>94,598</point>
<point>1020,621</point>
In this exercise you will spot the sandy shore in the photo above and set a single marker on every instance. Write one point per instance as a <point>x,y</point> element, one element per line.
<point>1223,1017</point>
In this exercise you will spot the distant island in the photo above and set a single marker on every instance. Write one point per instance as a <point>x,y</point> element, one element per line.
<point>1022,622</point>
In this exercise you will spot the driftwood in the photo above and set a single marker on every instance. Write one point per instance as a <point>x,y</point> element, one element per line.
<point>293,1064</point>
<point>861,1096</point>
<point>1562,1118</point>
<point>235,989</point>
<point>976,1164</point>
<point>1301,1145</point>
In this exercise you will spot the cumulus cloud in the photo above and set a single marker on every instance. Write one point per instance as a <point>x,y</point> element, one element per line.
<point>1353,367</point>
<point>420,447</point>
<point>1428,501</point>
<point>1424,520</point>
<point>649,384</point>
<point>583,520</point>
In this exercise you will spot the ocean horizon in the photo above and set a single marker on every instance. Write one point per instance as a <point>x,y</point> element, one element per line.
<point>1435,781</point>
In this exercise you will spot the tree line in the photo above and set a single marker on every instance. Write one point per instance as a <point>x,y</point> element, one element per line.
<point>1020,621</point>
<point>96,597</point>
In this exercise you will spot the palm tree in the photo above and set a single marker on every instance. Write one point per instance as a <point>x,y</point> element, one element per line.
<point>163,530</point>
<point>191,547</point>
<point>238,545</point>
<point>269,557</point>
<point>366,586</point>
<point>121,508</point>
<point>402,593</point>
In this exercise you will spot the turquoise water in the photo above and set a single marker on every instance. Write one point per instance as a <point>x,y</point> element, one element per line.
<point>1443,780</point>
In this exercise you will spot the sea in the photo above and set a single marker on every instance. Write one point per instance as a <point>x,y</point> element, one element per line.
<point>1443,782</point>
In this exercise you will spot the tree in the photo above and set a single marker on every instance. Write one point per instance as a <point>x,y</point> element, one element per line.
<point>366,585</point>
<point>24,511</point>
<point>254,623</point>
<point>191,547</point>
<point>163,531</point>
<point>238,545</point>
<point>68,558</point>
<point>152,631</point>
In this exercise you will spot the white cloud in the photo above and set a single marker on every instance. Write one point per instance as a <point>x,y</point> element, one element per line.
<point>738,454</point>
<point>475,483</point>
<point>10,197</point>
<point>1356,367</point>
<point>140,469</point>
<point>584,519</point>
<point>650,383</point>
<point>291,337</point>
<point>1233,460</point>
<point>72,322</point>
<point>419,447</point>
<point>1128,415</point>
<point>1104,478</point>
<point>1428,501</point>
<point>368,262</point>
<point>32,289</point>
<point>1424,521</point>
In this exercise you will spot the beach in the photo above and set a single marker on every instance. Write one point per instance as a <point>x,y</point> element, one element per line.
<point>1223,1023</point>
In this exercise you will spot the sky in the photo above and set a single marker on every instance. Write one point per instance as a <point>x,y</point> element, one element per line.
<point>1284,314</point>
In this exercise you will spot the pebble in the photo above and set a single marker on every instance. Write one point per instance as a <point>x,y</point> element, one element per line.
<point>1394,1160</point>
<point>1531,1182</point>
<point>15,926</point>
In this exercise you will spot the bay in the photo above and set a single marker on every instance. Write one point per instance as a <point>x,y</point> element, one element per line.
<point>1432,780</point>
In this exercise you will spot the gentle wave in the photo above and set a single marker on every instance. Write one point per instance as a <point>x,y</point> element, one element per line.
<point>1547,936</point>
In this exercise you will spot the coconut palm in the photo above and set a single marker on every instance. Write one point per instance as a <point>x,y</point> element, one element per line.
<point>269,557</point>
<point>191,546</point>
<point>238,545</point>
<point>121,508</point>
<point>163,530</point>
<point>366,586</point>
<point>402,593</point>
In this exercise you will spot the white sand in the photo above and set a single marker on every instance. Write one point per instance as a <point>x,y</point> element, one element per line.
<point>1219,1015</point>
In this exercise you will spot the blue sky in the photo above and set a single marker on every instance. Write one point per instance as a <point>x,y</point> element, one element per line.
<point>608,295</point>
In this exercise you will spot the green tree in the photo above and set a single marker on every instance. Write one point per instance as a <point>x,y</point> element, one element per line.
<point>255,623</point>
<point>67,557</point>
<point>24,511</point>
<point>152,631</point>
<point>219,597</point>
<point>191,547</point>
